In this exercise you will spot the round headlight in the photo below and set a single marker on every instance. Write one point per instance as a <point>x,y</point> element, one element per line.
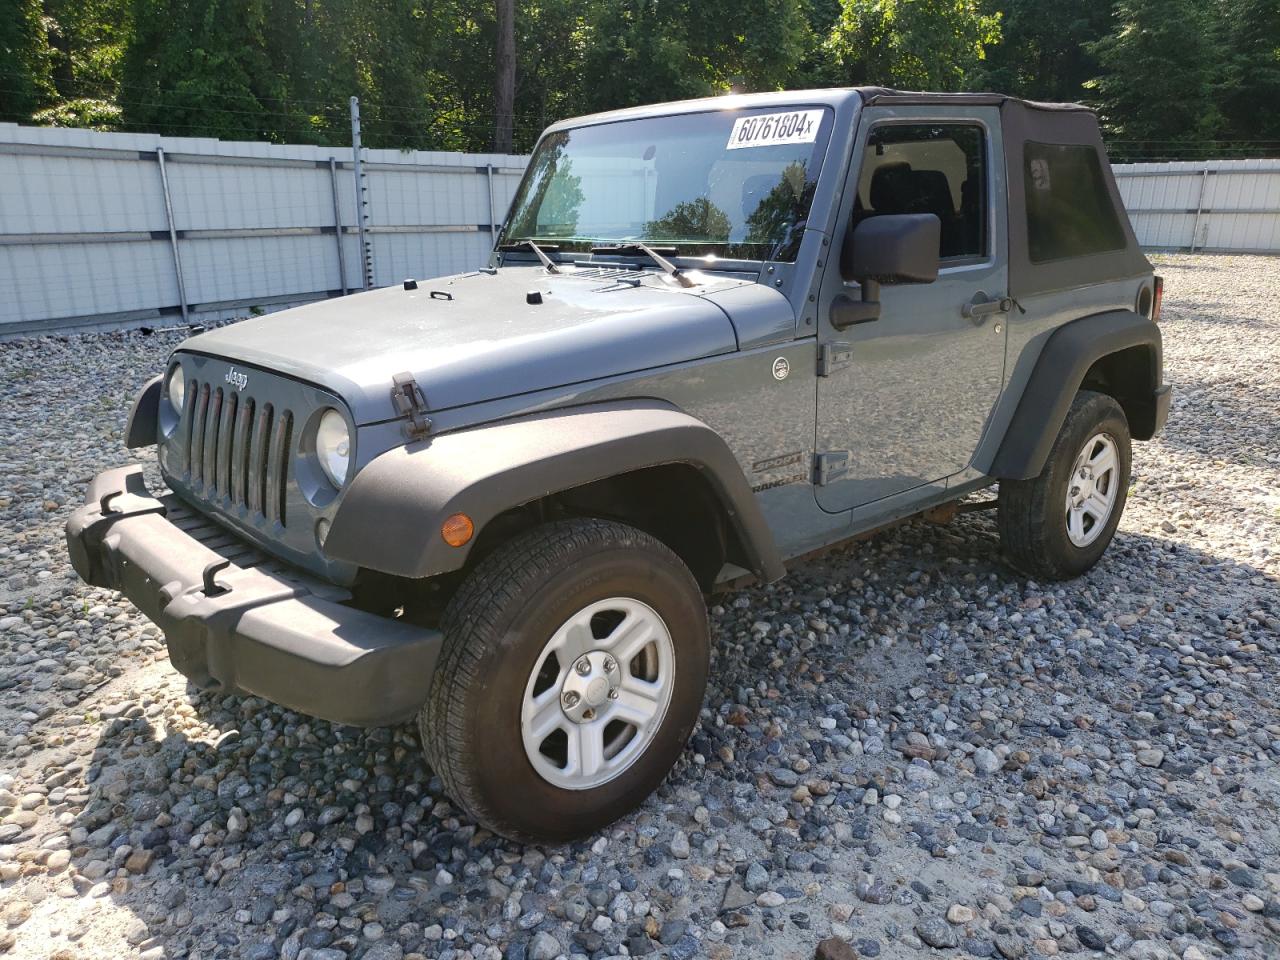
<point>333,447</point>
<point>175,388</point>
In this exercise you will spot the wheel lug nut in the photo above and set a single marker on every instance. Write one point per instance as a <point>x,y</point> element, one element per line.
<point>610,664</point>
<point>613,694</point>
<point>570,699</point>
<point>583,666</point>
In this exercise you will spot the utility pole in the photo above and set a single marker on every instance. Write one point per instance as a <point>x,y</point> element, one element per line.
<point>504,89</point>
<point>362,204</point>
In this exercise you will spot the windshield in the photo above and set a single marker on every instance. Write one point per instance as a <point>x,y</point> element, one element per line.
<point>736,184</point>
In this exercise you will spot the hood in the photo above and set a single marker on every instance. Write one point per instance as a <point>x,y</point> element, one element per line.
<point>477,336</point>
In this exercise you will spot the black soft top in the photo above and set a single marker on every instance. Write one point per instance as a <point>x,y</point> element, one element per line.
<point>1023,122</point>
<point>888,96</point>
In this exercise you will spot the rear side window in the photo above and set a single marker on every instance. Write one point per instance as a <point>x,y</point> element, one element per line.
<point>1069,210</point>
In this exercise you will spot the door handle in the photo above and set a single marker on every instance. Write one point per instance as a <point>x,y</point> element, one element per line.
<point>981,307</point>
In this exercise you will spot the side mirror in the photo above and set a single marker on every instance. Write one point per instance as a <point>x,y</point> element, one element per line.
<point>893,248</point>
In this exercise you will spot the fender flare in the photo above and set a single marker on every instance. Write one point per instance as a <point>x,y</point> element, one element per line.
<point>1064,360</point>
<point>389,518</point>
<point>144,419</point>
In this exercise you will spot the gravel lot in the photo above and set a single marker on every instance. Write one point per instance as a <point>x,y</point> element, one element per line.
<point>905,746</point>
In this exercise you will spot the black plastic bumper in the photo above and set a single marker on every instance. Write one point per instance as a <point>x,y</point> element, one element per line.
<point>253,632</point>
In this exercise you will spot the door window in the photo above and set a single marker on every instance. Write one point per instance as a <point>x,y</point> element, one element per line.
<point>938,168</point>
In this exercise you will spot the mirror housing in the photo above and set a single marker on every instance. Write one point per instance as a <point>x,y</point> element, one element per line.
<point>893,248</point>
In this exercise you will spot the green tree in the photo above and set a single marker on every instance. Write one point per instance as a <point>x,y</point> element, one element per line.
<point>1160,72</point>
<point>26,81</point>
<point>916,44</point>
<point>1044,50</point>
<point>758,47</point>
<point>1251,88</point>
<point>638,52</point>
<point>551,46</point>
<point>200,68</point>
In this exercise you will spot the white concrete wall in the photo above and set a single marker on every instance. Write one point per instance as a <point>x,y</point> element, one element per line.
<point>84,232</point>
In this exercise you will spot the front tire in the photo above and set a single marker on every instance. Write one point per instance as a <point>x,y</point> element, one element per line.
<point>573,669</point>
<point>1057,525</point>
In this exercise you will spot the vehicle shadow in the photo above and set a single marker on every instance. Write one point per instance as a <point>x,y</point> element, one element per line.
<point>234,828</point>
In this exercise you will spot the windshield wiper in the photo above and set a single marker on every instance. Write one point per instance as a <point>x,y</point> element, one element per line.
<point>540,251</point>
<point>668,267</point>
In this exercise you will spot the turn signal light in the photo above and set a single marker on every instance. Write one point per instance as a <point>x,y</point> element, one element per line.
<point>457,530</point>
<point>1158,301</point>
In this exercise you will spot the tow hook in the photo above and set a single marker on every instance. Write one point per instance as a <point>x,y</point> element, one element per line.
<point>211,587</point>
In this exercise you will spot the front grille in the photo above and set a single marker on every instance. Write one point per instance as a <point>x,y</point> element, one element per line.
<point>243,554</point>
<point>237,450</point>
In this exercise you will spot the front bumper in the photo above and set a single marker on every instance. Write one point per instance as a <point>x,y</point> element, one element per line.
<point>241,629</point>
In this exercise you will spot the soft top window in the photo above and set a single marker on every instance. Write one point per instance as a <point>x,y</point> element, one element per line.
<point>1069,210</point>
<point>937,168</point>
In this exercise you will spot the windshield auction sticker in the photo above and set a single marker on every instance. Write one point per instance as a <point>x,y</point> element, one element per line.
<point>772,129</point>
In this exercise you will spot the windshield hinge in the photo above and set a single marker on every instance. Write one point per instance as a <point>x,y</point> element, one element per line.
<point>830,467</point>
<point>833,355</point>
<point>411,405</point>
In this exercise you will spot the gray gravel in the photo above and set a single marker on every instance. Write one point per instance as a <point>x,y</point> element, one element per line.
<point>905,746</point>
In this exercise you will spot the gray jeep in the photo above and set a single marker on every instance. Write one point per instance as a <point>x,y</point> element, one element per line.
<point>713,337</point>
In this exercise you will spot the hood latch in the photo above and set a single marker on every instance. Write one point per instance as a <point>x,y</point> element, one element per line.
<point>410,404</point>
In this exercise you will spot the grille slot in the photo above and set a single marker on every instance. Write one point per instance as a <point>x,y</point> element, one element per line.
<point>236,451</point>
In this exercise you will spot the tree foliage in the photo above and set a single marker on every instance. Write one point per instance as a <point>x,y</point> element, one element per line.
<point>1251,71</point>
<point>425,70</point>
<point>915,44</point>
<point>27,82</point>
<point>1044,49</point>
<point>1143,95</point>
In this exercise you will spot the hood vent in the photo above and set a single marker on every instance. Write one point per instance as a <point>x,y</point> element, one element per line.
<point>607,273</point>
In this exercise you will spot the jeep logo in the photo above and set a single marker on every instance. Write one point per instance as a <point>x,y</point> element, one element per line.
<point>237,379</point>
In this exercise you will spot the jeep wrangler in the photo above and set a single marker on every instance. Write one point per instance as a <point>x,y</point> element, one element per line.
<point>712,337</point>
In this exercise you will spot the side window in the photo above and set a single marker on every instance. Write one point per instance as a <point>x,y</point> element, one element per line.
<point>1069,210</point>
<point>938,168</point>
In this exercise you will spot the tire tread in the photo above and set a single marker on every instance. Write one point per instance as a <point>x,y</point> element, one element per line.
<point>469,624</point>
<point>1024,506</point>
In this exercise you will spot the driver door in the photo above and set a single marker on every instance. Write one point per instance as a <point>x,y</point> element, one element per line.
<point>903,399</point>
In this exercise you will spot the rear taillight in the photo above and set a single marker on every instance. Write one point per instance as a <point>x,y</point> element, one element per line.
<point>1158,300</point>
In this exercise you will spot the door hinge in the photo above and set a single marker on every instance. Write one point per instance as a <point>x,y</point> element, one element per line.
<point>832,356</point>
<point>410,404</point>
<point>830,467</point>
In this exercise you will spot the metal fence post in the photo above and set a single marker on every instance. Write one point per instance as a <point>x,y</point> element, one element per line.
<point>337,223</point>
<point>173,233</point>
<point>366,254</point>
<point>493,223</point>
<point>1195,227</point>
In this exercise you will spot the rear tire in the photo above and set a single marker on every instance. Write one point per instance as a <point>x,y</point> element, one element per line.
<point>542,722</point>
<point>1057,525</point>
